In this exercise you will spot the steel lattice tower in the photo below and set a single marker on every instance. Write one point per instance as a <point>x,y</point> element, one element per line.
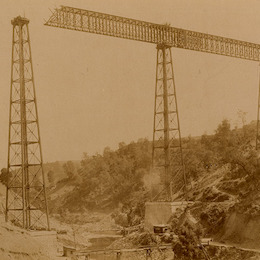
<point>258,127</point>
<point>166,130</point>
<point>26,203</point>
<point>258,121</point>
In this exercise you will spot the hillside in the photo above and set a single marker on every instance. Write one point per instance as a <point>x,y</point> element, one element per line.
<point>19,244</point>
<point>222,174</point>
<point>103,182</point>
<point>110,189</point>
<point>16,243</point>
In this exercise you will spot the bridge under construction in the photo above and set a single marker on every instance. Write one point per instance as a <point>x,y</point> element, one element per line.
<point>26,202</point>
<point>167,148</point>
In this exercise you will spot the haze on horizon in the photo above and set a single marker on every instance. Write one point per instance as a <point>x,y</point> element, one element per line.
<point>95,91</point>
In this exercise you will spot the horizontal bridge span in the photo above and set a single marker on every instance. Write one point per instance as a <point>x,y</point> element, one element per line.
<point>126,28</point>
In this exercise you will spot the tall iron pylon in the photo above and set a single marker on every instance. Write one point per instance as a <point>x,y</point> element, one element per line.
<point>26,202</point>
<point>258,124</point>
<point>167,145</point>
<point>258,114</point>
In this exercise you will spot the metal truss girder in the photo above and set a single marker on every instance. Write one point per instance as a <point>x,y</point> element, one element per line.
<point>105,24</point>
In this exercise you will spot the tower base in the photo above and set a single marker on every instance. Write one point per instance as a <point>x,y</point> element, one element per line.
<point>48,240</point>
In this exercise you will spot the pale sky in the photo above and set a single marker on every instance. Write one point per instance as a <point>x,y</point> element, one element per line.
<point>95,91</point>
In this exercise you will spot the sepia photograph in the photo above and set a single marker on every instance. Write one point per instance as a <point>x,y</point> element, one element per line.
<point>130,130</point>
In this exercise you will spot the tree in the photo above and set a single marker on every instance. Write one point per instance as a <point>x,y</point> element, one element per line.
<point>111,179</point>
<point>69,169</point>
<point>189,236</point>
<point>222,137</point>
<point>242,116</point>
<point>51,177</point>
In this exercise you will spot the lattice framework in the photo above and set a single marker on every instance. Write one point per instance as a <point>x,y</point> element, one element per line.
<point>26,203</point>
<point>116,26</point>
